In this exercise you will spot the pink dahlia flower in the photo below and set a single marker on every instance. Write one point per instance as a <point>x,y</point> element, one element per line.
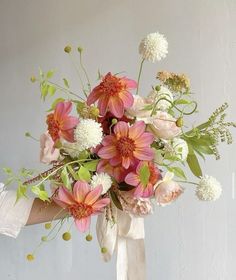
<point>128,145</point>
<point>60,124</point>
<point>82,203</point>
<point>113,95</point>
<point>144,179</point>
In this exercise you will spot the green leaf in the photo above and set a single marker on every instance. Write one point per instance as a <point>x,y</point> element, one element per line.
<point>21,192</point>
<point>182,102</point>
<point>7,170</point>
<point>178,172</point>
<point>193,162</point>
<point>44,90</point>
<point>115,200</point>
<point>65,178</point>
<point>73,173</point>
<point>66,83</point>
<point>50,73</point>
<point>41,194</point>
<point>144,174</point>
<point>91,165</point>
<point>84,174</point>
<point>51,90</point>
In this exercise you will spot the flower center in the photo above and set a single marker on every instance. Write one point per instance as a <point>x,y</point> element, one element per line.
<point>80,210</point>
<point>53,127</point>
<point>125,146</point>
<point>111,85</point>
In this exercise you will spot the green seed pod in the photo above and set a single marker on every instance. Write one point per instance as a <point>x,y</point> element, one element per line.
<point>30,257</point>
<point>180,122</point>
<point>67,49</point>
<point>48,225</point>
<point>66,236</point>
<point>89,237</point>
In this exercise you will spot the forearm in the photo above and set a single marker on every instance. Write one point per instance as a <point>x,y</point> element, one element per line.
<point>42,212</point>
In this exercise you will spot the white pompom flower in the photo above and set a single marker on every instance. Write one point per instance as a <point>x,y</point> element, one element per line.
<point>153,47</point>
<point>102,179</point>
<point>88,134</point>
<point>158,98</point>
<point>208,189</point>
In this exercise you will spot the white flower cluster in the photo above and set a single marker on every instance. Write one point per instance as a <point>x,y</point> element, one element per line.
<point>101,179</point>
<point>153,47</point>
<point>208,189</point>
<point>88,134</point>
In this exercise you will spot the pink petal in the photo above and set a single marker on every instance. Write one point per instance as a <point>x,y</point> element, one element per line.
<point>101,203</point>
<point>144,153</point>
<point>83,224</point>
<point>69,123</point>
<point>115,160</point>
<point>116,106</point>
<point>68,135</point>
<point>144,192</point>
<point>107,152</point>
<point>137,129</point>
<point>144,140</point>
<point>121,129</point>
<point>108,140</point>
<point>126,162</point>
<point>65,196</point>
<point>119,174</point>
<point>132,179</point>
<point>103,104</point>
<point>93,195</point>
<point>132,84</point>
<point>94,96</point>
<point>80,190</point>
<point>62,109</point>
<point>127,98</point>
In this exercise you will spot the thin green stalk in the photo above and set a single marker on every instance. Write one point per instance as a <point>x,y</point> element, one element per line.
<point>139,75</point>
<point>85,72</point>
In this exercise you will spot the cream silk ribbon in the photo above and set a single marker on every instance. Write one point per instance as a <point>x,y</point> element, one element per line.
<point>126,236</point>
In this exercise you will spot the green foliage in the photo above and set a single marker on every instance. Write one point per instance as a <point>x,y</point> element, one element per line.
<point>144,174</point>
<point>177,171</point>
<point>193,162</point>
<point>66,83</point>
<point>65,178</point>
<point>40,192</point>
<point>91,165</point>
<point>21,192</point>
<point>84,174</point>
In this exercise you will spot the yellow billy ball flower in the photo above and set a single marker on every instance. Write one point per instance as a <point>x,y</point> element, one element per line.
<point>66,236</point>
<point>30,257</point>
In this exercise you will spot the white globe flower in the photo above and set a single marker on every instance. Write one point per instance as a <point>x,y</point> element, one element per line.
<point>208,189</point>
<point>88,134</point>
<point>101,179</point>
<point>153,47</point>
<point>157,97</point>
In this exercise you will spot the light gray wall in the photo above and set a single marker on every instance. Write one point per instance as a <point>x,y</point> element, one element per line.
<point>188,240</point>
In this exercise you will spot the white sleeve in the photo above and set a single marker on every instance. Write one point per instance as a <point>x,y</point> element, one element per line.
<point>13,216</point>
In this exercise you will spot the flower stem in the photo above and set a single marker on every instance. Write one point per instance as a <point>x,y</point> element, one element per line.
<point>188,182</point>
<point>139,75</point>
<point>85,72</point>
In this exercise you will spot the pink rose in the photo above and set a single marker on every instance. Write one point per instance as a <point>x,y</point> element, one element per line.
<point>137,109</point>
<point>163,125</point>
<point>48,153</point>
<point>167,190</point>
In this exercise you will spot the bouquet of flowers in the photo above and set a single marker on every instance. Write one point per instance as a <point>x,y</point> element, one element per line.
<point>119,152</point>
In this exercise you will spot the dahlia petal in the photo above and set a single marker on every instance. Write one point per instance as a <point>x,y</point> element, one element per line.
<point>132,179</point>
<point>62,109</point>
<point>80,190</point>
<point>108,140</point>
<point>144,153</point>
<point>121,129</point>
<point>144,140</point>
<point>115,160</point>
<point>68,135</point>
<point>137,129</point>
<point>116,106</point>
<point>93,195</point>
<point>60,203</point>
<point>119,174</point>
<point>103,104</point>
<point>100,204</point>
<point>83,224</point>
<point>126,162</point>
<point>65,196</point>
<point>69,123</point>
<point>127,98</point>
<point>107,152</point>
<point>132,84</point>
<point>94,95</point>
<point>103,166</point>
